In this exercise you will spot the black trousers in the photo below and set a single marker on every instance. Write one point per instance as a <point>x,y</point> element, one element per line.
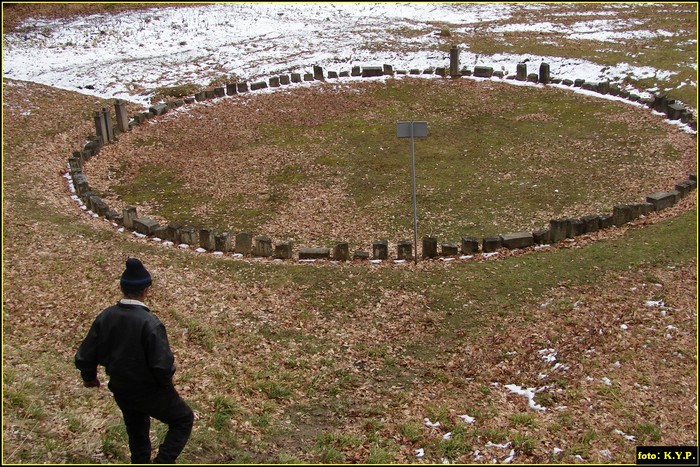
<point>165,405</point>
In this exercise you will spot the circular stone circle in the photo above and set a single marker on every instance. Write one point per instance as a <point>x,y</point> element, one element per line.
<point>215,129</point>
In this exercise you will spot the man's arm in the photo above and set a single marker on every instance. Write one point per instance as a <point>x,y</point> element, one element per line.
<point>86,357</point>
<point>161,360</point>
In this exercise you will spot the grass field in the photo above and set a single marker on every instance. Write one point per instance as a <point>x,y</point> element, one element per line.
<point>322,165</point>
<point>353,363</point>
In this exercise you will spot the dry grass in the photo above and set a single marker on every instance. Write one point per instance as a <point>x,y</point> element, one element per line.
<point>297,165</point>
<point>286,362</point>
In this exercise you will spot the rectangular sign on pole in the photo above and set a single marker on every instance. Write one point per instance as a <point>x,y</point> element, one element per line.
<point>403,129</point>
<point>413,130</point>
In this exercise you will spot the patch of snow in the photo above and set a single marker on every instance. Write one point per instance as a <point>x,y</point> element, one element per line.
<point>467,419</point>
<point>529,393</point>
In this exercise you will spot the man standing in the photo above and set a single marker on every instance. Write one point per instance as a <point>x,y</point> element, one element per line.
<point>132,345</point>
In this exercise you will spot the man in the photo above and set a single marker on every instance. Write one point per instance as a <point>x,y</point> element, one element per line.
<point>132,345</point>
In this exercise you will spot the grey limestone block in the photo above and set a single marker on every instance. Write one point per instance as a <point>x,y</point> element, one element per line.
<point>517,240</point>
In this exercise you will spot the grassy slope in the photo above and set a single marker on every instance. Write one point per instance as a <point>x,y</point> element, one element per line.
<point>340,364</point>
<point>258,344</point>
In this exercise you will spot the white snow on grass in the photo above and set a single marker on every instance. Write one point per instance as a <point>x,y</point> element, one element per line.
<point>109,55</point>
<point>529,393</point>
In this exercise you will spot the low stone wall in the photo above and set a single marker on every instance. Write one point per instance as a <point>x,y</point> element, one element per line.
<point>207,239</point>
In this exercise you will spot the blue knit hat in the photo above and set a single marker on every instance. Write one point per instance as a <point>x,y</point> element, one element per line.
<point>135,276</point>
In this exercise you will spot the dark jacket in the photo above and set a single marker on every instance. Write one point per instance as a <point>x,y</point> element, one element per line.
<point>132,345</point>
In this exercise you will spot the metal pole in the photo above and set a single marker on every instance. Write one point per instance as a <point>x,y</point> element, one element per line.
<point>415,210</point>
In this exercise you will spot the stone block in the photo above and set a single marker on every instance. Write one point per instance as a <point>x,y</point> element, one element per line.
<point>263,246</point>
<point>574,228</point>
<point>380,249</point>
<point>404,250</point>
<point>112,215</point>
<point>160,231</point>
<point>449,249</point>
<point>360,254</point>
<point>231,89</point>
<point>209,94</point>
<point>283,250</point>
<point>341,251</point>
<point>314,253</point>
<point>454,62</point>
<point>199,97</point>
<point>606,221</point>
<point>491,244</point>
<point>258,85</point>
<point>483,71</point>
<point>675,111</point>
<point>372,71</point>
<point>541,237</point>
<point>274,82</point>
<point>591,224</point>
<point>388,70</point>
<point>222,242</point>
<point>244,243</point>
<point>661,200</point>
<point>642,209</point>
<point>318,73</point>
<point>441,71</point>
<point>430,247</point>
<point>622,214</point>
<point>219,92</point>
<point>172,232</point>
<point>207,239</point>
<point>145,225</point>
<point>188,235</point>
<point>242,87</point>
<point>122,116</point>
<point>470,245</point>
<point>344,74</point>
<point>284,80</point>
<point>108,122</point>
<point>80,182</point>
<point>129,214</point>
<point>521,71</point>
<point>296,77</point>
<point>517,240</point>
<point>533,77</point>
<point>356,71</point>
<point>683,188</point>
<point>544,73</point>
<point>100,207</point>
<point>579,82</point>
<point>308,77</point>
<point>557,229</point>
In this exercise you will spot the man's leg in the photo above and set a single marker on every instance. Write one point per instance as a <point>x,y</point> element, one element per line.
<point>174,412</point>
<point>138,425</point>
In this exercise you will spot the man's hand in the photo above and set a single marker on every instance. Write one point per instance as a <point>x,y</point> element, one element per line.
<point>95,383</point>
